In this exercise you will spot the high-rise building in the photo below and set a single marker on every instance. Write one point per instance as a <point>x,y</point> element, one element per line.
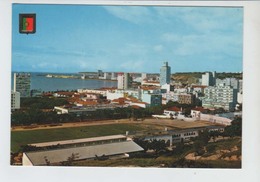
<point>165,74</point>
<point>123,81</point>
<point>22,84</point>
<point>209,79</point>
<point>233,82</point>
<point>15,100</point>
<point>220,96</point>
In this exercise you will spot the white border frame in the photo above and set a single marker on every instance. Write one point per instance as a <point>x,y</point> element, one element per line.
<point>251,100</point>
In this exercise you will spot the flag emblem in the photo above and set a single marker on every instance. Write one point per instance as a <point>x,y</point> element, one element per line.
<point>27,23</point>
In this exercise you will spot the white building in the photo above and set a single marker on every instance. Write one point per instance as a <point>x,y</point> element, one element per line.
<point>208,79</point>
<point>220,97</point>
<point>175,136</point>
<point>150,83</point>
<point>106,76</point>
<point>15,100</point>
<point>152,99</point>
<point>240,97</point>
<point>102,92</point>
<point>123,80</point>
<point>215,119</point>
<point>233,82</point>
<point>167,87</point>
<point>22,84</point>
<point>115,94</point>
<point>173,111</point>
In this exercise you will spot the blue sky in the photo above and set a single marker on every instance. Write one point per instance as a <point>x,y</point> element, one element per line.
<point>74,38</point>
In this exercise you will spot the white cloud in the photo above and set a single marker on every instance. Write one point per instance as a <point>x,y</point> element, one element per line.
<point>134,65</point>
<point>170,37</point>
<point>158,48</point>
<point>199,44</point>
<point>203,19</point>
<point>131,49</point>
<point>134,14</point>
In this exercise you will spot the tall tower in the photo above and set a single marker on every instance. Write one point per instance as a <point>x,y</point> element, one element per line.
<point>123,80</point>
<point>165,74</point>
<point>22,84</point>
<point>209,79</point>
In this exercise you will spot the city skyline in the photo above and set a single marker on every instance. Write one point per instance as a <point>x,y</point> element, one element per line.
<point>190,39</point>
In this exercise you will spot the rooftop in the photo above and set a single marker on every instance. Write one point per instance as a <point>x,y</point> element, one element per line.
<point>60,155</point>
<point>82,140</point>
<point>176,109</point>
<point>198,109</point>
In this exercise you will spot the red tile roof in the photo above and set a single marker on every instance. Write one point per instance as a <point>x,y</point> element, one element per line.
<point>199,86</point>
<point>176,109</point>
<point>198,109</point>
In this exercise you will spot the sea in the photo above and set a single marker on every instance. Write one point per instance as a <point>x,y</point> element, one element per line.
<point>39,81</point>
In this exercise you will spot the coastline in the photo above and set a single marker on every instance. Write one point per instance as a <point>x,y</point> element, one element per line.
<point>74,77</point>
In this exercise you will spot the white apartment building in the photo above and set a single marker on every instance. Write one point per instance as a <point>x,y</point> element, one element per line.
<point>22,84</point>
<point>220,96</point>
<point>115,94</point>
<point>123,80</point>
<point>233,82</point>
<point>208,79</point>
<point>182,98</point>
<point>92,91</point>
<point>15,100</point>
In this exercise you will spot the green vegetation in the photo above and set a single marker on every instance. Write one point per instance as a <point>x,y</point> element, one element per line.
<point>183,163</point>
<point>235,129</point>
<point>229,75</point>
<point>189,77</point>
<point>36,116</point>
<point>42,102</point>
<point>226,144</point>
<point>39,111</point>
<point>21,138</point>
<point>33,111</point>
<point>156,145</point>
<point>193,77</point>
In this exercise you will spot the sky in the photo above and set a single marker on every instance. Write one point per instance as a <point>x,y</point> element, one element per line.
<point>81,38</point>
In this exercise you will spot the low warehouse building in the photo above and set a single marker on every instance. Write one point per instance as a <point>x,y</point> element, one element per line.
<point>111,148</point>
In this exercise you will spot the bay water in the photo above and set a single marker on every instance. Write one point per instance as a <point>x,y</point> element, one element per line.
<point>40,82</point>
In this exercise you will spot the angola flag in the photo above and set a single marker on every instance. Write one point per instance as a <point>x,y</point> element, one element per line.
<point>27,23</point>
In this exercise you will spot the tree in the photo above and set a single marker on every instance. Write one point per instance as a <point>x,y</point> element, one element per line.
<point>143,143</point>
<point>235,129</point>
<point>211,148</point>
<point>179,148</point>
<point>70,159</point>
<point>203,136</point>
<point>157,145</point>
<point>198,147</point>
<point>214,134</point>
<point>201,141</point>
